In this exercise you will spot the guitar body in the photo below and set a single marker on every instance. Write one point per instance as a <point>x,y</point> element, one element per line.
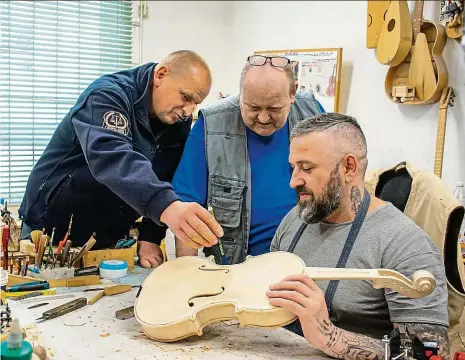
<point>421,70</point>
<point>395,39</point>
<point>403,74</point>
<point>376,13</point>
<point>181,296</point>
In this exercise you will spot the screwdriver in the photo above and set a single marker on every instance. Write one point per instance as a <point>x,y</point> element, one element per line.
<point>219,245</point>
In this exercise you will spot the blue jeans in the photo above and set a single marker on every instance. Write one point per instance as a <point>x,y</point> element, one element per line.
<point>26,231</point>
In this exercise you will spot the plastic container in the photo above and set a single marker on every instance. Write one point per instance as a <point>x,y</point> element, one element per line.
<point>112,269</point>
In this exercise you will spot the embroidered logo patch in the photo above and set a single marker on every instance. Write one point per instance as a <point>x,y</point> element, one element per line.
<point>116,121</point>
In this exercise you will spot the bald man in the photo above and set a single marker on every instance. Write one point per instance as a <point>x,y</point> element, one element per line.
<point>112,157</point>
<point>336,223</point>
<point>236,159</point>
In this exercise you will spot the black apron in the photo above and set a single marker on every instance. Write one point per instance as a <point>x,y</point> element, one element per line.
<point>351,237</point>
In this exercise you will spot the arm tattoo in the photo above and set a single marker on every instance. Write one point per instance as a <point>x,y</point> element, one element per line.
<point>430,332</point>
<point>355,198</point>
<point>347,345</point>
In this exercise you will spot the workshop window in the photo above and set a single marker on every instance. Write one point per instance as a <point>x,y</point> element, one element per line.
<point>50,51</point>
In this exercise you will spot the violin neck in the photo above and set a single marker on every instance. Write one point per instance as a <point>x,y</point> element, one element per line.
<point>317,273</point>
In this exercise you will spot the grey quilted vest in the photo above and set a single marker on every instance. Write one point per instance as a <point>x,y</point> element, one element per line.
<point>228,168</point>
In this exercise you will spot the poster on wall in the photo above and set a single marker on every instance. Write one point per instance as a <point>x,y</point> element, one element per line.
<point>316,70</point>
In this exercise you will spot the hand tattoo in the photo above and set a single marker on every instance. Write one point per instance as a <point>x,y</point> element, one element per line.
<point>430,332</point>
<point>355,198</point>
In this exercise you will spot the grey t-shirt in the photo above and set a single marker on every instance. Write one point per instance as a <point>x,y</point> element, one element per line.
<point>387,239</point>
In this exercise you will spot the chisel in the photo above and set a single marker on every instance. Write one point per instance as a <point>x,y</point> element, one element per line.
<point>63,309</point>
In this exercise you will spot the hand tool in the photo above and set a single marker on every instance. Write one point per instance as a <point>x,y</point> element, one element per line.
<point>63,242</point>
<point>124,314</point>
<point>5,238</point>
<point>96,297</point>
<point>63,309</point>
<point>26,266</point>
<point>25,296</point>
<point>65,253</point>
<point>40,251</point>
<point>35,236</point>
<point>45,298</point>
<point>29,287</point>
<point>38,305</point>
<point>29,283</point>
<point>114,290</point>
<point>125,243</point>
<point>219,245</point>
<point>90,270</point>
<point>87,246</point>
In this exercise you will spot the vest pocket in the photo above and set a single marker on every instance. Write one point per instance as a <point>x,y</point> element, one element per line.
<point>226,200</point>
<point>227,211</point>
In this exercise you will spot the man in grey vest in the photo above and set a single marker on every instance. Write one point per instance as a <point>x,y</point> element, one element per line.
<point>236,159</point>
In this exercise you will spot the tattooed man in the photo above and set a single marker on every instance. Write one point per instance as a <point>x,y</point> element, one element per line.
<point>328,154</point>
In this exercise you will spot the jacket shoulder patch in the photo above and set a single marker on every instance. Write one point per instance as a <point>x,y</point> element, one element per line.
<point>116,121</point>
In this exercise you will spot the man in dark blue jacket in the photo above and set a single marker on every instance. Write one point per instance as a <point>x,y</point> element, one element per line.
<point>112,157</point>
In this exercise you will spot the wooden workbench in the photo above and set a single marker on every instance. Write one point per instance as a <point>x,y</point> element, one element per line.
<point>93,332</point>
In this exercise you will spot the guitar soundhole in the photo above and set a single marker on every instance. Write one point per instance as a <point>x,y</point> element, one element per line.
<point>391,25</point>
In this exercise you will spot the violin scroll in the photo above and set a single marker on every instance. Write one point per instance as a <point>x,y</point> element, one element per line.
<point>424,282</point>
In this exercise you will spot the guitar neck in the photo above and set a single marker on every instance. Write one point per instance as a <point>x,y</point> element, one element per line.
<point>440,137</point>
<point>417,19</point>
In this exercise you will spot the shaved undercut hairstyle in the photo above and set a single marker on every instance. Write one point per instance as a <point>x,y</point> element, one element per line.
<point>181,62</point>
<point>287,70</point>
<point>347,135</point>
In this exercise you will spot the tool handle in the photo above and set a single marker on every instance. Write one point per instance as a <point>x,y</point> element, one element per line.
<point>118,289</point>
<point>65,253</point>
<point>96,297</point>
<point>30,287</point>
<point>90,270</point>
<point>65,308</point>
<point>87,246</point>
<point>60,246</point>
<point>41,251</point>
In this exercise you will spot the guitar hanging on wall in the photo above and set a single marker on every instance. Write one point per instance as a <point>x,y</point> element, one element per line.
<point>447,99</point>
<point>395,38</point>
<point>420,78</point>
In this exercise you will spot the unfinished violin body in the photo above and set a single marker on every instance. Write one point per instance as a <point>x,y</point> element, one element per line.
<point>180,297</point>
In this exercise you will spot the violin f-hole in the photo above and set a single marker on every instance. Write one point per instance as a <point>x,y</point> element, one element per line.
<point>204,268</point>
<point>190,302</point>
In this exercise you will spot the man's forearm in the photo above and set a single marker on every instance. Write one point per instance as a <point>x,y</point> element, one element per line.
<point>184,250</point>
<point>430,333</point>
<point>347,345</point>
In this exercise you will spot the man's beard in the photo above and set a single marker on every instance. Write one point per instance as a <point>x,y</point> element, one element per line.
<point>314,210</point>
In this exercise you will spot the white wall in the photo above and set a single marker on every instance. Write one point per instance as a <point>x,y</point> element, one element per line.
<point>201,26</point>
<point>225,33</point>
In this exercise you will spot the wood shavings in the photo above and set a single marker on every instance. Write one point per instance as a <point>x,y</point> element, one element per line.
<point>105,335</point>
